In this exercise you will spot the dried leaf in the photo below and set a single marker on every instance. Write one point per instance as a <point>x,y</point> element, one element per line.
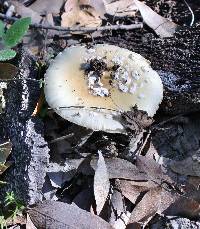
<point>119,216</point>
<point>121,8</point>
<point>186,207</point>
<point>79,15</point>
<point>162,26</point>
<point>7,71</point>
<point>119,168</point>
<point>44,7</point>
<point>5,150</point>
<point>101,183</point>
<point>98,5</point>
<point>52,214</point>
<point>3,167</point>
<point>153,170</point>
<point>147,207</point>
<point>131,191</point>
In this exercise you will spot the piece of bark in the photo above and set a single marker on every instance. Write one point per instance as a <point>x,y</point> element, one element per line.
<point>30,151</point>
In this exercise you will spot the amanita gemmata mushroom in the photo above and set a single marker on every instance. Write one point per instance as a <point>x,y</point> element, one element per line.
<point>91,86</point>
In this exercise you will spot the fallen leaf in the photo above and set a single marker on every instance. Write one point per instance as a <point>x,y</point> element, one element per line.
<point>153,170</point>
<point>120,168</point>
<point>184,206</point>
<point>5,150</point>
<point>119,215</point>
<point>98,5</point>
<point>162,26</point>
<point>121,8</point>
<point>147,207</point>
<point>7,71</point>
<point>101,183</point>
<point>44,7</point>
<point>77,14</point>
<point>53,214</point>
<point>131,191</point>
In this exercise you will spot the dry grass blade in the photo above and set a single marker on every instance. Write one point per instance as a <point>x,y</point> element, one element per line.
<point>101,183</point>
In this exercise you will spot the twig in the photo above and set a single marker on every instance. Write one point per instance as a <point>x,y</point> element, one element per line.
<point>61,138</point>
<point>77,29</point>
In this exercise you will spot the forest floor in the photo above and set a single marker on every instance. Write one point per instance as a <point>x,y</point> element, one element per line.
<point>56,174</point>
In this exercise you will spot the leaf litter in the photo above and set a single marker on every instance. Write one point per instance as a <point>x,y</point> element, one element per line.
<point>146,186</point>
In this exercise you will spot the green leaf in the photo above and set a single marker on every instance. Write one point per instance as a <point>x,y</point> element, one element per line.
<point>1,28</point>
<point>7,54</point>
<point>16,32</point>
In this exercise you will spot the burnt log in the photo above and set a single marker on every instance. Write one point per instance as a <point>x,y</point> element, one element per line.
<point>30,151</point>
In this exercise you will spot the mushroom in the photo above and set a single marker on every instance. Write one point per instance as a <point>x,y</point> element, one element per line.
<point>91,86</point>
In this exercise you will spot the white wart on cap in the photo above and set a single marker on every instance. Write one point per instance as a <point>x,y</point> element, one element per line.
<point>92,86</point>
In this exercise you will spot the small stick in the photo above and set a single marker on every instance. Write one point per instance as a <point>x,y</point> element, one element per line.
<point>62,138</point>
<point>78,29</point>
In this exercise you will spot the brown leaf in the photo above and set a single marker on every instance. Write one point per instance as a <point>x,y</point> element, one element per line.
<point>79,15</point>
<point>44,7</point>
<point>147,207</point>
<point>153,170</point>
<point>183,206</point>
<point>7,71</point>
<point>52,214</point>
<point>98,5</point>
<point>162,26</point>
<point>101,183</point>
<point>5,150</point>
<point>131,191</point>
<point>119,168</point>
<point>121,8</point>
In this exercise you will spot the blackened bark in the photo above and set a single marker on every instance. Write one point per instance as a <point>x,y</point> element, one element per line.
<point>30,151</point>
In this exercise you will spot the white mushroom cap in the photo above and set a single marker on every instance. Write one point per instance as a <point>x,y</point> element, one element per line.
<point>74,95</point>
